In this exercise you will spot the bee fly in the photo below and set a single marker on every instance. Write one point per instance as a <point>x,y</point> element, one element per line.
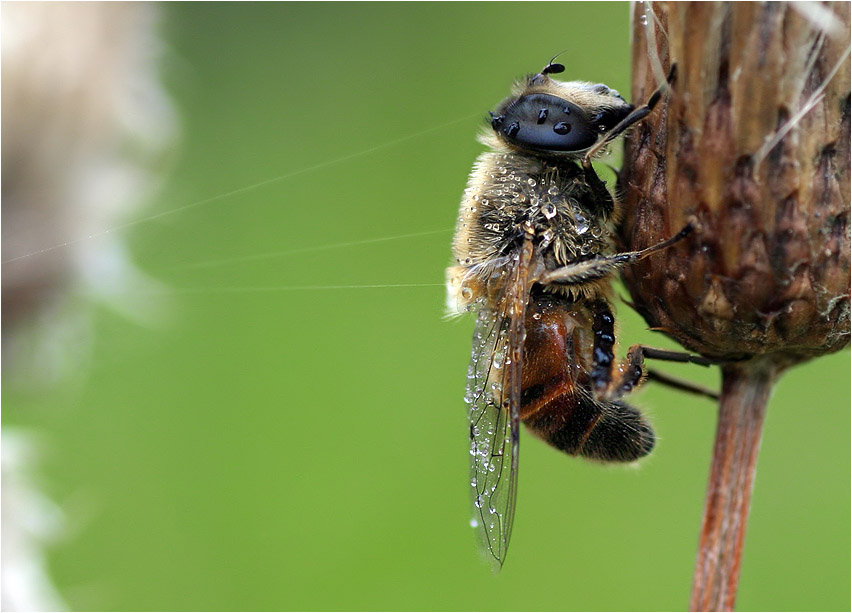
<point>535,256</point>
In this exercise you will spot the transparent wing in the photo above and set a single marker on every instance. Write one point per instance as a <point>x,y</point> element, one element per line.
<point>493,394</point>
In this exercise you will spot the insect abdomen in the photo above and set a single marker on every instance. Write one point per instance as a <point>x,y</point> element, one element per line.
<point>556,401</point>
<point>577,424</point>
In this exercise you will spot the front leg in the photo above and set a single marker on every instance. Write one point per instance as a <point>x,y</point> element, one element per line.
<point>634,117</point>
<point>600,193</point>
<point>602,266</point>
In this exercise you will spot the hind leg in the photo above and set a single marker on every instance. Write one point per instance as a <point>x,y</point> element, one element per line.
<point>680,384</point>
<point>610,382</point>
<point>632,372</point>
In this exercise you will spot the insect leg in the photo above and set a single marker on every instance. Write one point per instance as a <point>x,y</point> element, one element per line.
<point>632,372</point>
<point>679,384</point>
<point>634,117</point>
<point>602,355</point>
<point>599,267</point>
<point>674,356</point>
<point>601,194</point>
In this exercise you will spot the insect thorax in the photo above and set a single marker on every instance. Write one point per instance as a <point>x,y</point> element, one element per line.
<point>508,192</point>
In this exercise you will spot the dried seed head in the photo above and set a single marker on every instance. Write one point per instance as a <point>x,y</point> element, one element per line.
<point>753,142</point>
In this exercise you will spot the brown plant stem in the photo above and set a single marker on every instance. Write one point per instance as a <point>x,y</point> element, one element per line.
<point>745,393</point>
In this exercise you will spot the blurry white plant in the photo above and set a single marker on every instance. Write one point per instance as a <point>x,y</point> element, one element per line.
<point>86,125</point>
<point>30,520</point>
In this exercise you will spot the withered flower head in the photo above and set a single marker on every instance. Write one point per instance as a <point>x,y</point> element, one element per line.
<point>754,143</point>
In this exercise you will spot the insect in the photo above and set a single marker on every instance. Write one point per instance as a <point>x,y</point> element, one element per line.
<point>534,257</point>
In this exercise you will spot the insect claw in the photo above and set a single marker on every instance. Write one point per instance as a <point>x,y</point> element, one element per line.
<point>672,76</point>
<point>696,226</point>
<point>628,302</point>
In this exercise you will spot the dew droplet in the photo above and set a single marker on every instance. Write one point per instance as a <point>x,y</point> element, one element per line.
<point>548,210</point>
<point>531,182</point>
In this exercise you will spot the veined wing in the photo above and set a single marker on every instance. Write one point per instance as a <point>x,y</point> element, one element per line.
<point>494,396</point>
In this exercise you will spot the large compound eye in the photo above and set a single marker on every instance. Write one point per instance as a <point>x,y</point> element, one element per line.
<point>542,121</point>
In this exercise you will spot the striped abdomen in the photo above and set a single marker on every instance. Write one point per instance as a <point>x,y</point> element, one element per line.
<point>557,403</point>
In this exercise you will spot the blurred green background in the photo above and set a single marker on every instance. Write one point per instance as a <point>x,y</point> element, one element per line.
<point>276,447</point>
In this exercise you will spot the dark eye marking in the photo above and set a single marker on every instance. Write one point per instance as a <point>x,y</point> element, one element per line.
<point>548,122</point>
<point>545,122</point>
<point>609,118</point>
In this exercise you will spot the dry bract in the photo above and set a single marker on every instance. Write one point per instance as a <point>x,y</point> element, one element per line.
<point>754,142</point>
